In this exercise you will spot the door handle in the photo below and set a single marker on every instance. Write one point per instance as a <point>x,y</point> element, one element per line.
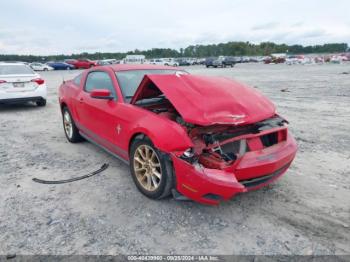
<point>81,100</point>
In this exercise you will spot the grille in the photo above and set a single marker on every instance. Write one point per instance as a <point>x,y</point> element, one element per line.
<point>269,139</point>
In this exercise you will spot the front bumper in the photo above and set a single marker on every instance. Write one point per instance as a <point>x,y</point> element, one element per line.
<point>253,171</point>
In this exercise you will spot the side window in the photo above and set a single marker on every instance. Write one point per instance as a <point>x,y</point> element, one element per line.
<point>77,80</point>
<point>99,80</point>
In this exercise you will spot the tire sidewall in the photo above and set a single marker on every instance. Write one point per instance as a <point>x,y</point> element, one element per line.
<point>165,180</point>
<point>75,136</point>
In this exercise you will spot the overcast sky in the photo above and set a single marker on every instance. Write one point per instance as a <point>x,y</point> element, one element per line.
<point>43,27</point>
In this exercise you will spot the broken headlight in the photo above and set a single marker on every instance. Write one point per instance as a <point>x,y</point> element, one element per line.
<point>188,153</point>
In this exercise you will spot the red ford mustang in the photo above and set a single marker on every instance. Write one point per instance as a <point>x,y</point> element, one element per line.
<point>203,138</point>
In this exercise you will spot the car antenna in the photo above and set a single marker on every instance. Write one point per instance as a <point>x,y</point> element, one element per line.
<point>63,81</point>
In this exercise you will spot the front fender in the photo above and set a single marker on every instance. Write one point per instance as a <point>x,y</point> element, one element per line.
<point>165,134</point>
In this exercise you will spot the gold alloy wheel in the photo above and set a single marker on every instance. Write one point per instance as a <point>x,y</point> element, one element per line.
<point>68,126</point>
<point>147,167</point>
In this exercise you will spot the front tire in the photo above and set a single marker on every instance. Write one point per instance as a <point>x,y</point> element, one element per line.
<point>70,129</point>
<point>151,169</point>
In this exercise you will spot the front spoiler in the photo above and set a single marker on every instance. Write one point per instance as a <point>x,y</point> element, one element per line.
<point>258,169</point>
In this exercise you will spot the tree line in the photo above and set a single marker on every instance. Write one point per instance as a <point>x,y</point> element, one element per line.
<point>201,51</point>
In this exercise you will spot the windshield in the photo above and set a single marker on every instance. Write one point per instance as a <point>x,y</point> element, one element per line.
<point>130,80</point>
<point>15,70</point>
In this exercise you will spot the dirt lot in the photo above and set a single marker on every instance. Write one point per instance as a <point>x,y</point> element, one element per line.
<point>305,212</point>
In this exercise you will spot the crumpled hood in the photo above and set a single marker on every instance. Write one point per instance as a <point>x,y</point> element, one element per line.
<point>207,101</point>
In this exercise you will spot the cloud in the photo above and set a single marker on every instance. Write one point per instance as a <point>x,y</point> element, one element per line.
<point>313,33</point>
<point>116,26</point>
<point>266,26</point>
<point>297,24</point>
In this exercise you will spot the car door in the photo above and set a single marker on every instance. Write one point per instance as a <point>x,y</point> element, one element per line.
<point>98,117</point>
<point>84,64</point>
<point>80,64</point>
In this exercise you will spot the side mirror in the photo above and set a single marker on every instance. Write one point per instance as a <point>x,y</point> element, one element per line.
<point>101,94</point>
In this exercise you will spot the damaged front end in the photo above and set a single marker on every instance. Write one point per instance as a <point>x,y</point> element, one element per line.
<point>227,157</point>
<point>227,160</point>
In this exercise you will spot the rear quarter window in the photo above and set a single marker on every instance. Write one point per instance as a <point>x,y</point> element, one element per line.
<point>77,80</point>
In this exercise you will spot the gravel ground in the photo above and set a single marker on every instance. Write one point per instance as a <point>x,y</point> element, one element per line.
<point>306,212</point>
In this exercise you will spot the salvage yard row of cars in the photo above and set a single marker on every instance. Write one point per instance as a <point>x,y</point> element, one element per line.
<point>195,137</point>
<point>220,61</point>
<point>68,64</point>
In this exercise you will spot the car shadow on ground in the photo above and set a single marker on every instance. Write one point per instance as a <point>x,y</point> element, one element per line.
<point>18,107</point>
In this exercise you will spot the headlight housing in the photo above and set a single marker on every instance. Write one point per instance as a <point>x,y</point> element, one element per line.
<point>188,153</point>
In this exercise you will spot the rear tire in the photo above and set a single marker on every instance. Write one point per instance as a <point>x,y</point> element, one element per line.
<point>70,129</point>
<point>151,169</point>
<point>41,102</point>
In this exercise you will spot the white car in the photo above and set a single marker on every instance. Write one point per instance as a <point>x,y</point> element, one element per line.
<point>170,62</point>
<point>20,84</point>
<point>40,67</point>
<point>157,61</point>
<point>163,61</point>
